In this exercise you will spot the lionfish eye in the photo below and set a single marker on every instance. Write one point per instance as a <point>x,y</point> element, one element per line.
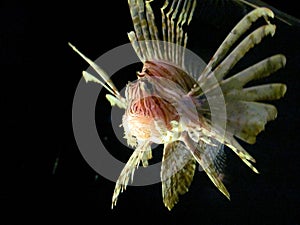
<point>139,74</point>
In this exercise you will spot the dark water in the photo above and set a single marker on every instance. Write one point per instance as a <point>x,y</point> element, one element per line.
<point>39,77</point>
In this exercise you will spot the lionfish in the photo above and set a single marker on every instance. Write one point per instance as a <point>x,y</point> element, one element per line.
<point>169,103</point>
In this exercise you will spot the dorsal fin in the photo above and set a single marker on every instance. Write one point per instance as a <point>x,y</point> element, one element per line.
<point>145,37</point>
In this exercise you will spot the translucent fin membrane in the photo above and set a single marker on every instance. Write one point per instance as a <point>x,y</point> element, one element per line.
<point>198,151</point>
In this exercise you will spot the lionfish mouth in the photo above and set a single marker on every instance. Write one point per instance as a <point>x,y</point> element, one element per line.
<point>165,104</point>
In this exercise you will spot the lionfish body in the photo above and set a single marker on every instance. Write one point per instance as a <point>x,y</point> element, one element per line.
<point>168,103</point>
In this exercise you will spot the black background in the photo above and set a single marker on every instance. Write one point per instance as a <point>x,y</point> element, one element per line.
<point>39,75</point>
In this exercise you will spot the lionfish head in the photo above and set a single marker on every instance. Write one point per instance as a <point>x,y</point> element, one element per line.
<point>151,112</point>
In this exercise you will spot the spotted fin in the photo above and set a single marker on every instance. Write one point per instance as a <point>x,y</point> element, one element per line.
<point>177,171</point>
